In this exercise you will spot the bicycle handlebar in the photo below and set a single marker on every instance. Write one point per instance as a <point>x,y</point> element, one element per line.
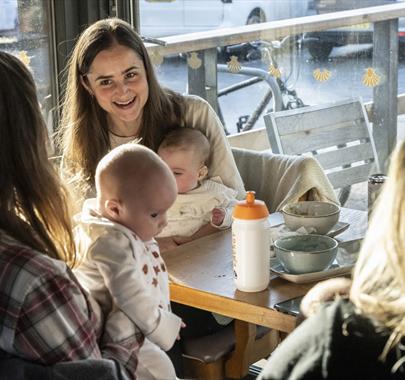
<point>264,75</point>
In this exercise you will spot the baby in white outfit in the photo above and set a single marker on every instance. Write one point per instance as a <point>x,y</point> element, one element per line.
<point>200,200</point>
<point>121,264</point>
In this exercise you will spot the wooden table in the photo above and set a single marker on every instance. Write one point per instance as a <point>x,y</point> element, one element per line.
<point>202,277</point>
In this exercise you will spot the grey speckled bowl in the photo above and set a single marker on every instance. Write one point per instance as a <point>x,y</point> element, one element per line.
<point>317,217</point>
<point>306,253</point>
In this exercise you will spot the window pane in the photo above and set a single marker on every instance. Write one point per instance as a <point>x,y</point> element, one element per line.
<point>24,33</point>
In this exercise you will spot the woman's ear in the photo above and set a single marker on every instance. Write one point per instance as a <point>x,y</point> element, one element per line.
<point>113,209</point>
<point>85,84</point>
<point>202,173</point>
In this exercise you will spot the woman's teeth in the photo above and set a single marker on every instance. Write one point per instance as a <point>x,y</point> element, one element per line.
<point>124,104</point>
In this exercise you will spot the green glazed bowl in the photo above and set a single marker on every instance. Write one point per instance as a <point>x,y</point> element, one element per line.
<point>306,253</point>
<point>316,216</point>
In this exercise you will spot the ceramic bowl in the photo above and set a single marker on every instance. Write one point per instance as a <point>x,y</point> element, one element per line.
<point>306,253</point>
<point>316,217</point>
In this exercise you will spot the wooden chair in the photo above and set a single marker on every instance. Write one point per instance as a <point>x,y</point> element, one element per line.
<point>229,352</point>
<point>338,135</point>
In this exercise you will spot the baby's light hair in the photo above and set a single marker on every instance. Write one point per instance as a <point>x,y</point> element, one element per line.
<point>187,139</point>
<point>132,165</point>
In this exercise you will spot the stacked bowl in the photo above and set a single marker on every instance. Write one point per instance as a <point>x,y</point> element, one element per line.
<point>312,252</point>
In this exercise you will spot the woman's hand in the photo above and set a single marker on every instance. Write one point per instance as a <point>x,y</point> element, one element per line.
<point>323,292</point>
<point>166,243</point>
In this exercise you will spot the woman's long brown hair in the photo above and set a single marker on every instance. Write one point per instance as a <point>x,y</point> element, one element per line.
<point>33,204</point>
<point>84,138</point>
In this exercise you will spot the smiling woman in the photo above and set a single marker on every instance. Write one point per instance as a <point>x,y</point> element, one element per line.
<point>112,97</point>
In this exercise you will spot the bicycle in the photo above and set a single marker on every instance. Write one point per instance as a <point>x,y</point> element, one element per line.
<point>280,93</point>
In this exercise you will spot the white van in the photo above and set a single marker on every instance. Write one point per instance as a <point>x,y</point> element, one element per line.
<point>169,17</point>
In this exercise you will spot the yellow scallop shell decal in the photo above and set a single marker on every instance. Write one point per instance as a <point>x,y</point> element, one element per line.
<point>194,61</point>
<point>234,65</point>
<point>274,71</point>
<point>371,78</point>
<point>322,75</point>
<point>24,57</point>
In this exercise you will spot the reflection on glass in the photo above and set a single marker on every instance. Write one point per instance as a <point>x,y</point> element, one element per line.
<point>170,17</point>
<point>314,68</point>
<point>23,32</point>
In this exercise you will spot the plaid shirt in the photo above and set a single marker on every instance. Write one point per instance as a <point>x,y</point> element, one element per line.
<point>45,316</point>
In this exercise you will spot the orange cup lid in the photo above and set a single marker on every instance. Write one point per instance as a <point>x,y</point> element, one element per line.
<point>250,208</point>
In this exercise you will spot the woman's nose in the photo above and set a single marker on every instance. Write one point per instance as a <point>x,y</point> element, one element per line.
<point>122,88</point>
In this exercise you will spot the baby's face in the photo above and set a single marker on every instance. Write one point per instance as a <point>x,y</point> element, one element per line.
<point>184,165</point>
<point>145,214</point>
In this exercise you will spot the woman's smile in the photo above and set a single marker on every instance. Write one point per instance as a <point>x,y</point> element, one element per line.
<point>125,104</point>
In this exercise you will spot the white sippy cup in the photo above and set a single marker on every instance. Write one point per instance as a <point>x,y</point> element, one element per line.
<point>251,244</point>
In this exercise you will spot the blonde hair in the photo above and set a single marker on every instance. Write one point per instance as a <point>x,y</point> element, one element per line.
<point>188,139</point>
<point>83,137</point>
<point>33,204</point>
<point>378,288</point>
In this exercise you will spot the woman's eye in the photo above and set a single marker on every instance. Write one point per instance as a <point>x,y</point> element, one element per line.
<point>154,215</point>
<point>177,173</point>
<point>131,75</point>
<point>105,82</point>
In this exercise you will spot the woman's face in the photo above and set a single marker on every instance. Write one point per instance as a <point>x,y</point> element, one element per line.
<point>117,79</point>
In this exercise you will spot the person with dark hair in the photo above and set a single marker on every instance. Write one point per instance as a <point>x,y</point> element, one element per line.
<point>45,316</point>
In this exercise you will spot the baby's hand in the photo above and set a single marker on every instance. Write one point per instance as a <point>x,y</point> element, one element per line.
<point>183,325</point>
<point>218,215</point>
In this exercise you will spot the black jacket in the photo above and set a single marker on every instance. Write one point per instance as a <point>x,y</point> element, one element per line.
<point>335,344</point>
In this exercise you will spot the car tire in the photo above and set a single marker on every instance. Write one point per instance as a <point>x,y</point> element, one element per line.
<point>320,50</point>
<point>256,17</point>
